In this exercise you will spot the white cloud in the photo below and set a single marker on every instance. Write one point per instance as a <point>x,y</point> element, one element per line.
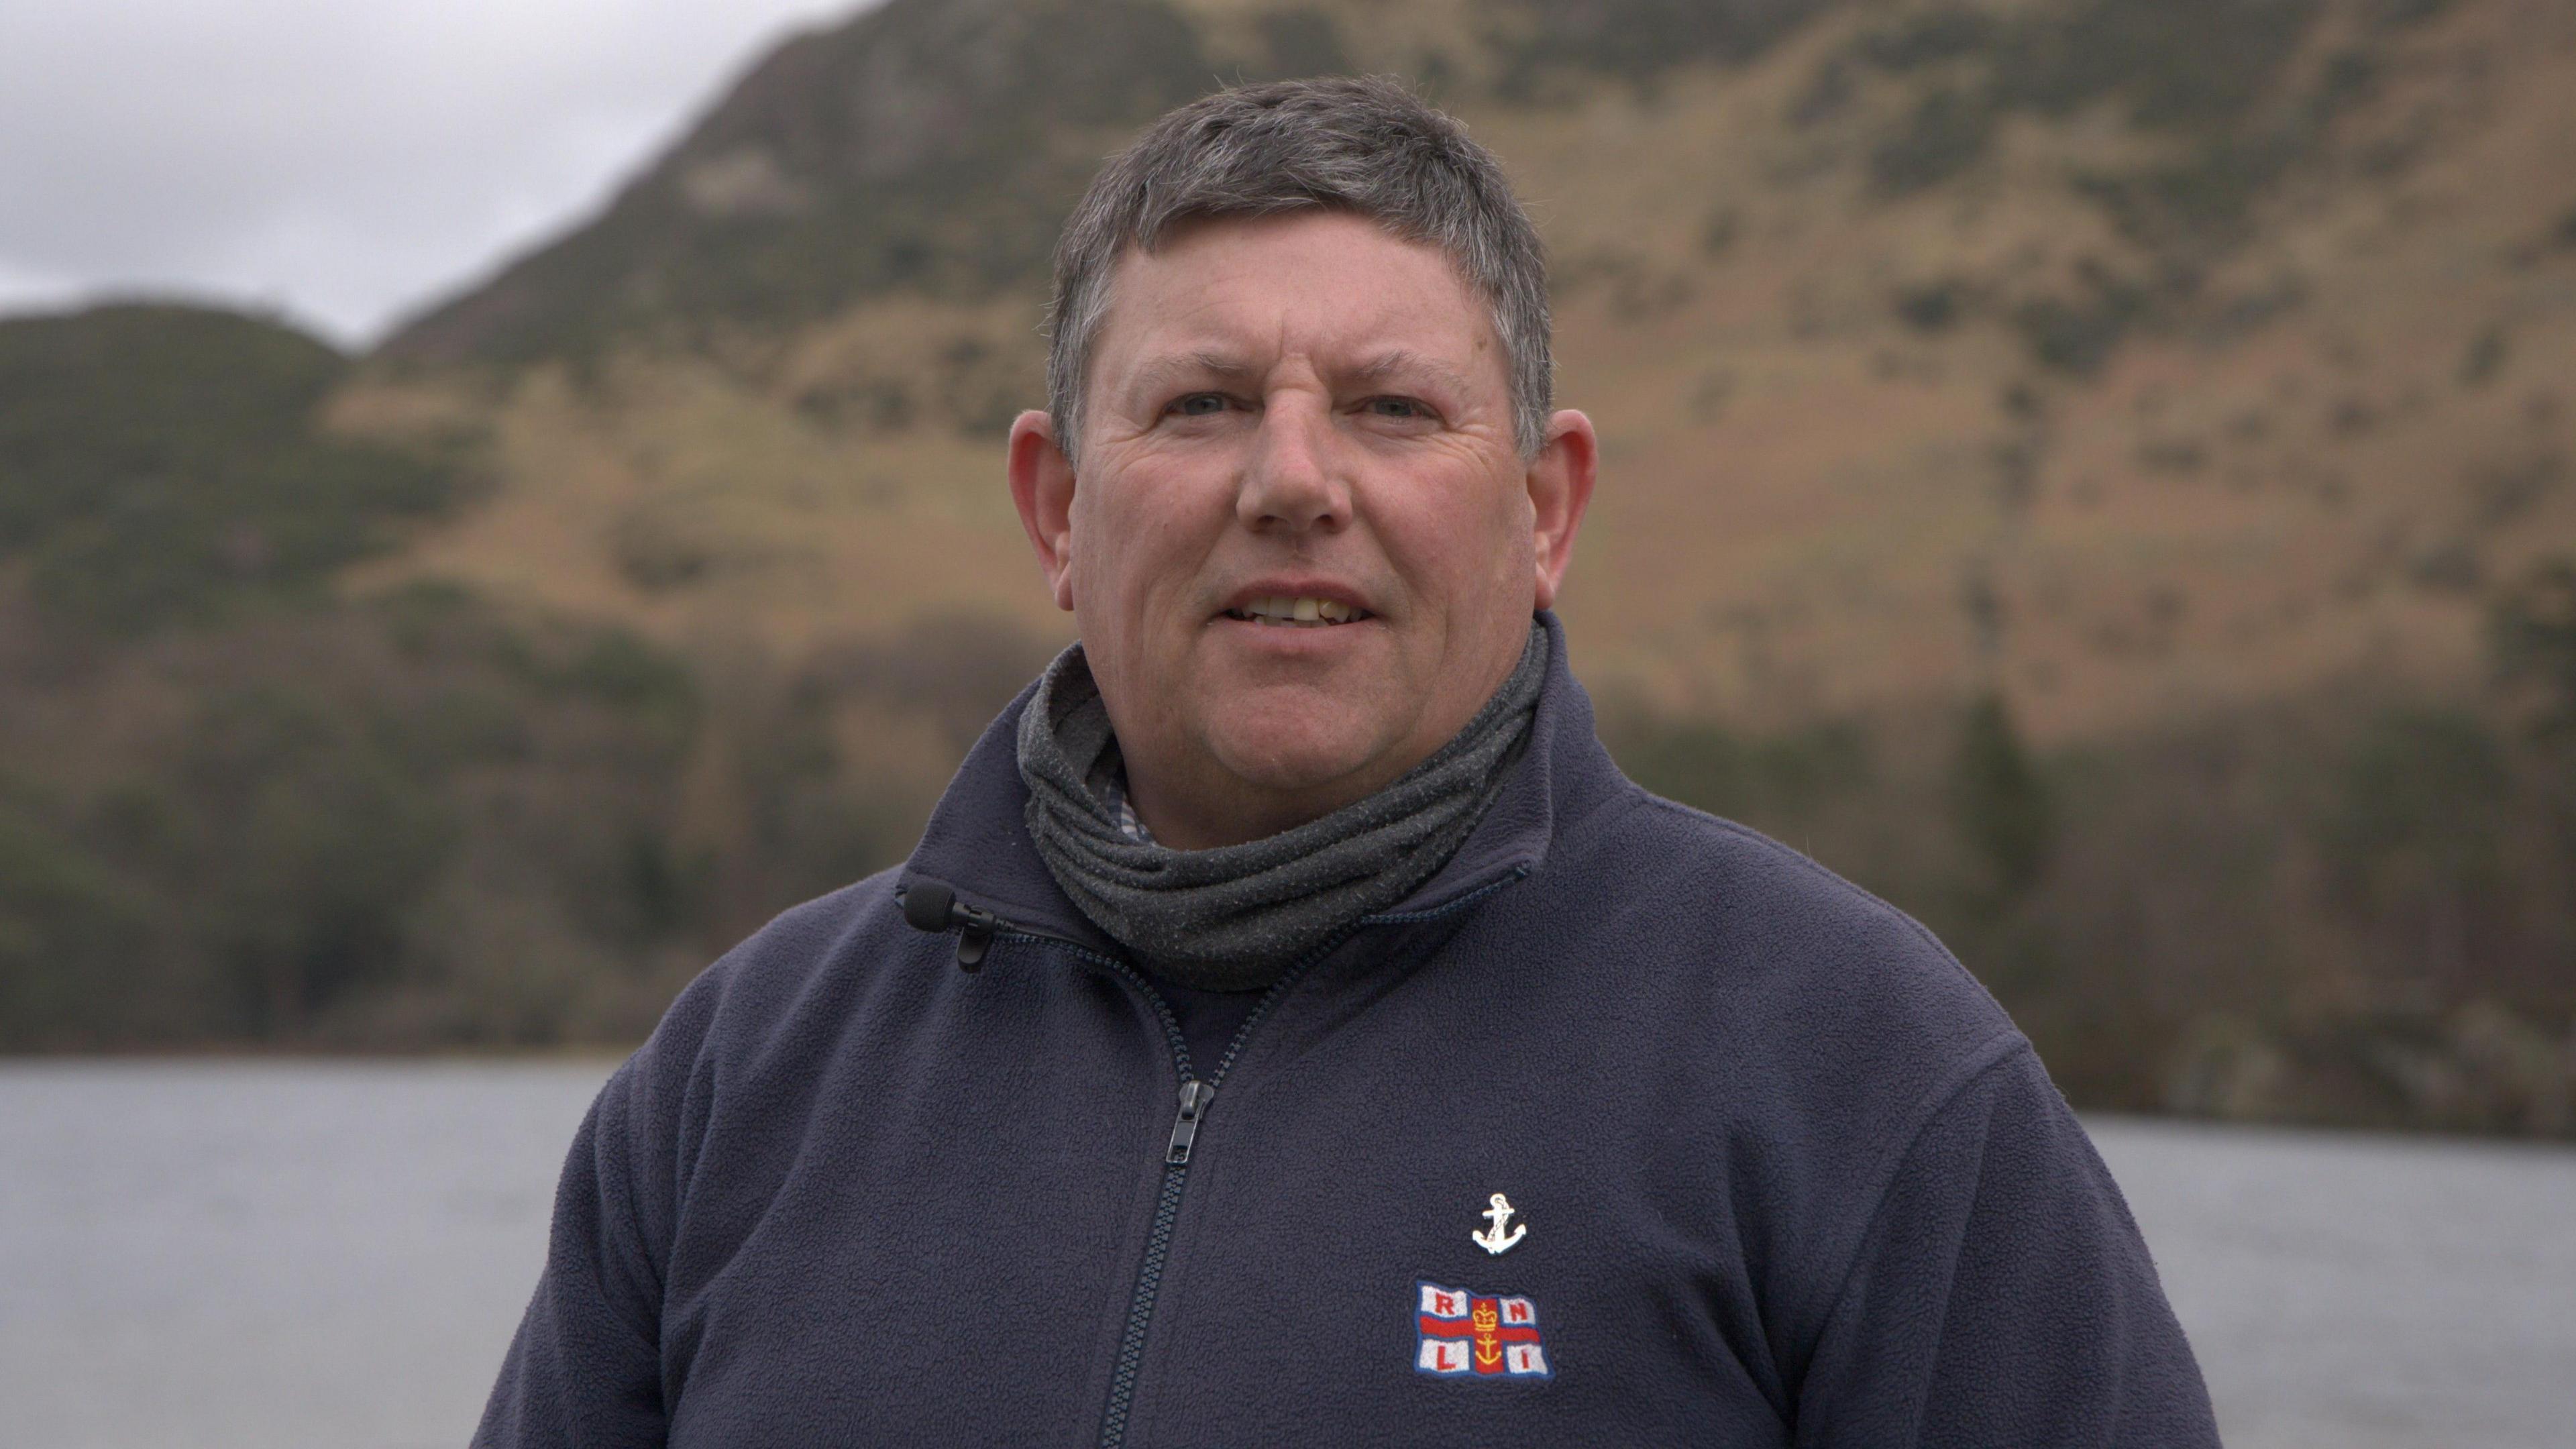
<point>341,162</point>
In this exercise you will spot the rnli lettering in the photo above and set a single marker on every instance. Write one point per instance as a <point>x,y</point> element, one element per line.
<point>1467,1335</point>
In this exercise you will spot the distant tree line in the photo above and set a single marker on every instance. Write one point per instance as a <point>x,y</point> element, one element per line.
<point>242,807</point>
<point>2355,907</point>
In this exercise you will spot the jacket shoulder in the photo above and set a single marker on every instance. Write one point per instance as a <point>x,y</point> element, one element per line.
<point>807,961</point>
<point>1822,1029</point>
<point>1834,1016</point>
<point>1772,925</point>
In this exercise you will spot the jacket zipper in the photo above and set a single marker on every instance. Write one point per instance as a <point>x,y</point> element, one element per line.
<point>1195,1096</point>
<point>1185,1130</point>
<point>1187,1123</point>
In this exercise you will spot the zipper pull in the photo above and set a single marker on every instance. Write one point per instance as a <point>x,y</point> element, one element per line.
<point>1195,1096</point>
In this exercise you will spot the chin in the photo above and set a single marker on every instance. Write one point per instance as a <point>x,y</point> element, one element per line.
<point>1291,750</point>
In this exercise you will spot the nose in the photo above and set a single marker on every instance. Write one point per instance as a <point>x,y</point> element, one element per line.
<point>1291,482</point>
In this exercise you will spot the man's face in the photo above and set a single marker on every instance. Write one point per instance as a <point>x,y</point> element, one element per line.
<point>1300,542</point>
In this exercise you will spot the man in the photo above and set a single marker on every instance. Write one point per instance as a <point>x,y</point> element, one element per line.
<point>1344,1051</point>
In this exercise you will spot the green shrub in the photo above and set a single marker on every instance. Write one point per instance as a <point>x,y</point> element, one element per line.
<point>2531,635</point>
<point>161,464</point>
<point>1947,133</point>
<point>2003,810</point>
<point>68,923</point>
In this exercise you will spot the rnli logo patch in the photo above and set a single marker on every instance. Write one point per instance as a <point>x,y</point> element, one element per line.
<point>1464,1334</point>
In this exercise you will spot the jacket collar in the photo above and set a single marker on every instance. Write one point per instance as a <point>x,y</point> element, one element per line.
<point>977,842</point>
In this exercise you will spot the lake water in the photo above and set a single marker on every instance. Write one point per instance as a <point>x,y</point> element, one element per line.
<point>334,1255</point>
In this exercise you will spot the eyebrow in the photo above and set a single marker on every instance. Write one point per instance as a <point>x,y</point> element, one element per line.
<point>1399,362</point>
<point>1166,371</point>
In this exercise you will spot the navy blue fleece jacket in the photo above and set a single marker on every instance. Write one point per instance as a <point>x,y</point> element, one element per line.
<point>1784,1174</point>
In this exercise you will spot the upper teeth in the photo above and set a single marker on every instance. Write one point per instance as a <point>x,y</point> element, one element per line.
<point>1301,610</point>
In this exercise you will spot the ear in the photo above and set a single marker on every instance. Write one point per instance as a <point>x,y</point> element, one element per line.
<point>1560,485</point>
<point>1042,489</point>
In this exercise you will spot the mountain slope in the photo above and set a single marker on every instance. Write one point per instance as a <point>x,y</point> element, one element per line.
<point>2137,359</point>
<point>159,462</point>
<point>925,147</point>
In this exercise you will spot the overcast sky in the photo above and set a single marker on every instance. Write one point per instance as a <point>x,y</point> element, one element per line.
<point>342,161</point>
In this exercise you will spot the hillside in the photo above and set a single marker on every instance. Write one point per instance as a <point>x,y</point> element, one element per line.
<point>2097,473</point>
<point>2144,360</point>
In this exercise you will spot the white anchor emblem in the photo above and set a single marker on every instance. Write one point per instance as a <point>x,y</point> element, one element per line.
<point>1494,1239</point>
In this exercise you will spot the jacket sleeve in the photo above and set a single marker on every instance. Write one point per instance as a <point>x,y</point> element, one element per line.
<point>2002,1294</point>
<point>585,1367</point>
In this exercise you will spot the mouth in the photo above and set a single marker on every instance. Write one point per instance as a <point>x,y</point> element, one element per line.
<point>1301,611</point>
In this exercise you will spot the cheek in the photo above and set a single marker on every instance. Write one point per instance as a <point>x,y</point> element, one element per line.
<point>1460,558</point>
<point>1137,541</point>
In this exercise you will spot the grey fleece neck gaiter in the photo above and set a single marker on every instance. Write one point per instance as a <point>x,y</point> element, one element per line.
<point>1236,917</point>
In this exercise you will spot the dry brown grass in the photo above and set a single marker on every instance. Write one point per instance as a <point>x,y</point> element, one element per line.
<point>1809,505</point>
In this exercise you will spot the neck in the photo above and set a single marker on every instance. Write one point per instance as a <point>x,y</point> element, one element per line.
<point>1260,885</point>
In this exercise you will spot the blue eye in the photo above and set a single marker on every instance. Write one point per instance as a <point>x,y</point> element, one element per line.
<point>1199,405</point>
<point>1395,407</point>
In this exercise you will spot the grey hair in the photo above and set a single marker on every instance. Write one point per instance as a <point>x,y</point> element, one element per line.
<point>1363,145</point>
